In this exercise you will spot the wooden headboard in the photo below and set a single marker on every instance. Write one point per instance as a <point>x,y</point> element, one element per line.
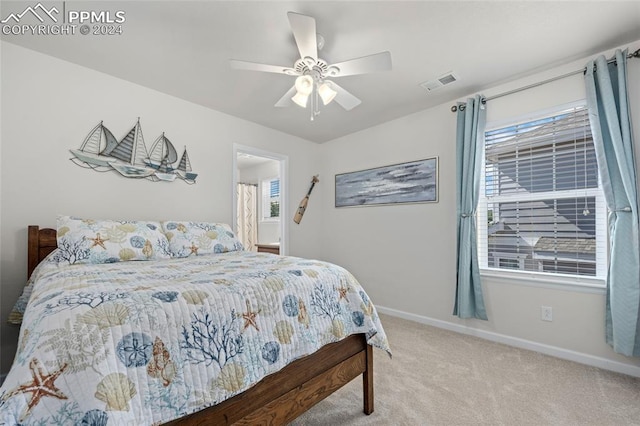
<point>41,242</point>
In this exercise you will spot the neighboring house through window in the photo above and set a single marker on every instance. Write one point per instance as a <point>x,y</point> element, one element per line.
<point>270,199</point>
<point>541,207</point>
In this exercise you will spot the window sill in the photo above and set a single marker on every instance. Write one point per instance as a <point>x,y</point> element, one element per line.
<point>543,280</point>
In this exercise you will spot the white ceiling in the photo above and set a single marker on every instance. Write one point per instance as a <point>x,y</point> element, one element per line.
<point>183,48</point>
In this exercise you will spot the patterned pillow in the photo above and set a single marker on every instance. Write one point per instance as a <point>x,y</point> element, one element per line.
<point>108,241</point>
<point>187,238</point>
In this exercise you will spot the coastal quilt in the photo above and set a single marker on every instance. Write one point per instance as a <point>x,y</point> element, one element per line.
<point>146,342</point>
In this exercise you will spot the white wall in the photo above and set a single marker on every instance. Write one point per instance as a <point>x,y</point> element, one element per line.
<point>404,255</point>
<point>49,106</point>
<point>268,231</point>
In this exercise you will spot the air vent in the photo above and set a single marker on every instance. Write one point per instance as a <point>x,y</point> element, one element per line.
<point>443,80</point>
<point>447,78</point>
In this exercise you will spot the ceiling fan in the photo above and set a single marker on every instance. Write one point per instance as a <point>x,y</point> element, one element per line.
<point>313,73</point>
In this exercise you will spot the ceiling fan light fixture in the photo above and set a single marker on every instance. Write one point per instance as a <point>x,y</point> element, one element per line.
<point>304,85</point>
<point>326,93</point>
<point>311,71</point>
<point>300,99</point>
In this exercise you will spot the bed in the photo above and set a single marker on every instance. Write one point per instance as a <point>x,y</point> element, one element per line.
<point>259,385</point>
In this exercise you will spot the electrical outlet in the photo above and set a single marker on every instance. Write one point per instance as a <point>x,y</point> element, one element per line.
<point>546,313</point>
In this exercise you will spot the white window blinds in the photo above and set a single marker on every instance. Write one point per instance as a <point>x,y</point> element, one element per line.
<point>271,199</point>
<point>541,208</point>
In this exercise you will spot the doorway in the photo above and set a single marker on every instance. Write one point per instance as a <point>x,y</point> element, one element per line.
<point>260,199</point>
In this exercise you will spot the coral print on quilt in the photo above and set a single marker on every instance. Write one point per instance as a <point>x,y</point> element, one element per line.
<point>146,342</point>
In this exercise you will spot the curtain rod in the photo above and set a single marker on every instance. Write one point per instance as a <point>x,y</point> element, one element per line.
<point>455,108</point>
<point>250,184</point>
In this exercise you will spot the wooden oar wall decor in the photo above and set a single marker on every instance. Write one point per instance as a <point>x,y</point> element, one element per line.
<point>303,204</point>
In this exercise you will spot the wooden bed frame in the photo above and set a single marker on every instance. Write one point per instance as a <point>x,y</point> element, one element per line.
<point>280,397</point>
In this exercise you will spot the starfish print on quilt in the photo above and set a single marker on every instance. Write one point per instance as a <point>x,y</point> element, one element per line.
<point>41,385</point>
<point>250,317</point>
<point>342,290</point>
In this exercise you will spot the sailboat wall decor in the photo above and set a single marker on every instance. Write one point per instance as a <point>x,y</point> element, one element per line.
<point>184,167</point>
<point>102,152</point>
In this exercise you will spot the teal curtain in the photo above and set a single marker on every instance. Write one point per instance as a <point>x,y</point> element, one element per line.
<point>469,302</point>
<point>610,121</point>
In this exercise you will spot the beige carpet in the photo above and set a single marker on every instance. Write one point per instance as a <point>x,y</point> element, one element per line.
<point>438,377</point>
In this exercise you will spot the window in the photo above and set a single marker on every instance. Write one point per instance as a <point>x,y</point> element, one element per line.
<point>541,208</point>
<point>271,199</point>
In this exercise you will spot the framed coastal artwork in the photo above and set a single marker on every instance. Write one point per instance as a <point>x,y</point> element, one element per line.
<point>412,182</point>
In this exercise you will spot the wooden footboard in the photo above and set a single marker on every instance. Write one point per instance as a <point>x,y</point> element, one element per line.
<point>283,396</point>
<point>280,397</point>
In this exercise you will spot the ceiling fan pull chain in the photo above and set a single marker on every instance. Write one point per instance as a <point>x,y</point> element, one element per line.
<point>313,106</point>
<point>316,99</point>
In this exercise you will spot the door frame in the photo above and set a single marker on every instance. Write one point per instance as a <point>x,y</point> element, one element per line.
<point>283,161</point>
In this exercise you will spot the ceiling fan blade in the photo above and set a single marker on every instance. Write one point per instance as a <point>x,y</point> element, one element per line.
<point>304,31</point>
<point>285,101</point>
<point>252,66</point>
<point>345,99</point>
<point>372,63</point>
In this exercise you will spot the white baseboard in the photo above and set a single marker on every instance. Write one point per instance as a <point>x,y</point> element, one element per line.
<point>582,358</point>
